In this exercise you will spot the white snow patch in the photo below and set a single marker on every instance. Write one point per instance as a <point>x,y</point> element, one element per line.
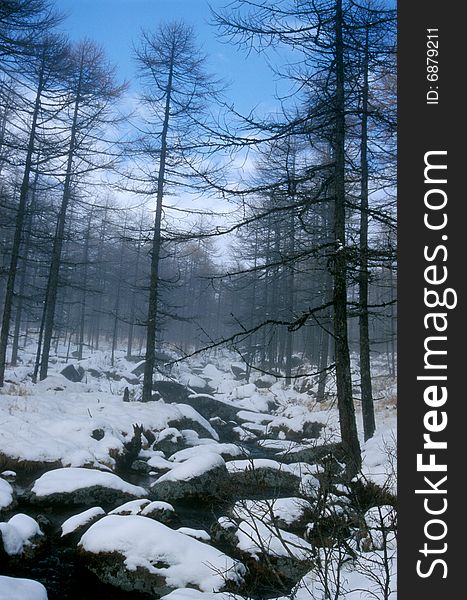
<point>255,537</point>
<point>289,510</point>
<point>81,519</point>
<point>13,588</point>
<point>17,533</point>
<point>191,594</point>
<point>70,479</point>
<point>6,494</point>
<point>238,466</point>
<point>197,534</point>
<point>193,467</point>
<point>243,391</point>
<point>159,463</point>
<point>133,507</point>
<point>228,449</point>
<point>48,426</point>
<point>157,505</point>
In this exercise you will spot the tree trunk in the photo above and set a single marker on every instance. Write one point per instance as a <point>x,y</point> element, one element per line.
<point>368,410</point>
<point>10,286</point>
<point>117,297</point>
<point>134,292</point>
<point>156,247</point>
<point>52,288</point>
<point>22,281</point>
<point>347,421</point>
<point>84,292</point>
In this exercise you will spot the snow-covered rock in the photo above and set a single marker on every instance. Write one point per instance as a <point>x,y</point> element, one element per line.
<point>133,507</point>
<point>76,485</point>
<point>265,548</point>
<point>14,588</point>
<point>20,535</point>
<point>295,429</point>
<point>74,373</point>
<point>287,513</point>
<point>46,430</point>
<point>243,391</point>
<point>135,553</point>
<point>191,594</point>
<point>77,523</point>
<point>262,474</point>
<point>224,450</point>
<point>6,495</point>
<point>197,534</point>
<point>203,476</point>
<point>160,511</point>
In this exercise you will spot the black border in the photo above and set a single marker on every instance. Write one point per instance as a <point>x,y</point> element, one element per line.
<point>421,128</point>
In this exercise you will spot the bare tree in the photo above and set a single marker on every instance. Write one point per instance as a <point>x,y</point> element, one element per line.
<point>177,89</point>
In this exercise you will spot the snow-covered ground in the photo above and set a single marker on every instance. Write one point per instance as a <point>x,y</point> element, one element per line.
<point>81,432</point>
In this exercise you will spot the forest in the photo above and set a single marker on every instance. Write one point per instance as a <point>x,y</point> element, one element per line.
<point>198,346</point>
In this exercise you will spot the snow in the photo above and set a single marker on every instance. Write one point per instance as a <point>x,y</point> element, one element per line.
<point>18,532</point>
<point>253,417</point>
<point>81,519</point>
<point>191,594</point>
<point>227,449</point>
<point>70,479</point>
<point>145,542</point>
<point>347,579</point>
<point>244,391</point>
<point>6,494</point>
<point>193,467</point>
<point>49,426</point>
<point>159,463</point>
<point>238,466</point>
<point>379,455</point>
<point>256,537</point>
<point>289,510</point>
<point>381,522</point>
<point>192,381</point>
<point>197,534</point>
<point>133,507</point>
<point>44,425</point>
<point>12,588</point>
<point>157,505</point>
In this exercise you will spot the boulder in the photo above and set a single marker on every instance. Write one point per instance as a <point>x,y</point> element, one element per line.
<point>291,514</point>
<point>202,477</point>
<point>80,486</point>
<point>171,391</point>
<point>268,551</point>
<point>210,407</point>
<point>7,495</point>
<point>159,511</point>
<point>74,527</point>
<point>20,536</point>
<point>238,371</point>
<point>138,554</point>
<point>329,454</point>
<point>169,440</point>
<point>253,476</point>
<point>287,430</point>
<point>74,373</point>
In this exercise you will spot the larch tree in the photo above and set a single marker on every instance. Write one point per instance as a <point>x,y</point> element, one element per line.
<point>177,90</point>
<point>92,92</point>
<point>45,72</point>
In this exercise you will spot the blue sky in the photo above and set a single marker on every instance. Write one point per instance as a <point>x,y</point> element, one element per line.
<point>116,24</point>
